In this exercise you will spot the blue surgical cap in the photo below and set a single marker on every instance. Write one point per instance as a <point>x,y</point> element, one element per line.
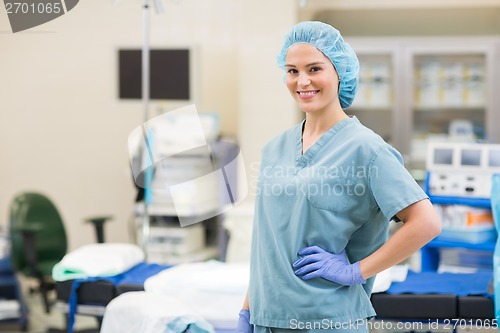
<point>328,40</point>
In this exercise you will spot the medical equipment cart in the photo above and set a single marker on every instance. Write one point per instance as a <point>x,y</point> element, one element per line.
<point>459,174</point>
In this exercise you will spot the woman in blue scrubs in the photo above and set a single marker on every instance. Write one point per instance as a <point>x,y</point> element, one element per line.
<point>327,189</point>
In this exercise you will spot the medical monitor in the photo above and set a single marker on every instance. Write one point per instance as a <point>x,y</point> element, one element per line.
<point>494,158</point>
<point>443,156</point>
<point>172,74</point>
<point>471,157</point>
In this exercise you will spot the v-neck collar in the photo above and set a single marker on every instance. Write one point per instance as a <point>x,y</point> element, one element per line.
<point>302,159</point>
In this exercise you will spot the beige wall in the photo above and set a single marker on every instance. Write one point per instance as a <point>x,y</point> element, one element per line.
<point>265,106</point>
<point>63,131</point>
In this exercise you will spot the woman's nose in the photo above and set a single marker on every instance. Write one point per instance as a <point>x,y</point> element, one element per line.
<point>304,80</point>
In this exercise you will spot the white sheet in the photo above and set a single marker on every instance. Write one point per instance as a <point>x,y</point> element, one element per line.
<point>106,259</point>
<point>143,312</point>
<point>213,290</point>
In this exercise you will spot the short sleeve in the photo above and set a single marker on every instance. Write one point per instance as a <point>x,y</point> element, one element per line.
<point>391,184</point>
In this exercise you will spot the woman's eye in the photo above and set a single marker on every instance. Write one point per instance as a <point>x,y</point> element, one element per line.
<point>315,69</point>
<point>292,71</point>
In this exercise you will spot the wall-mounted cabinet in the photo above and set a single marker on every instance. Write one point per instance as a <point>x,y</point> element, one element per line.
<point>416,90</point>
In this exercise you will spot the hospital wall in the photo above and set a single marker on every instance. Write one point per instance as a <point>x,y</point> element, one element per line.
<point>63,130</point>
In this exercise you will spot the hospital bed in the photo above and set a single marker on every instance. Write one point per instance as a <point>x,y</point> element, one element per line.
<point>93,296</point>
<point>457,297</point>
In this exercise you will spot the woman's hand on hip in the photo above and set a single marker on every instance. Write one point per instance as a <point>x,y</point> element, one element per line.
<point>316,262</point>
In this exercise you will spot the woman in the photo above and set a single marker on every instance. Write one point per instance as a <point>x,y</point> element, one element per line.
<point>327,189</point>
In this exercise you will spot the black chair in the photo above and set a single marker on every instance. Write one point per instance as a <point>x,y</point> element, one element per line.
<point>38,239</point>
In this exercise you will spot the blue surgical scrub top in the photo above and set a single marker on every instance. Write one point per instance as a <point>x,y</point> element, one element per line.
<point>340,194</point>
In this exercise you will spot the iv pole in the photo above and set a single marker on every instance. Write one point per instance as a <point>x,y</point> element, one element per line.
<point>147,134</point>
<point>145,100</point>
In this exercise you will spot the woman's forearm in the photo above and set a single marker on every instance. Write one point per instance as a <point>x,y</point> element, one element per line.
<point>421,225</point>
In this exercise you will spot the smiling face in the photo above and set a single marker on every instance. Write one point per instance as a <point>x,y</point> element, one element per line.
<point>311,79</point>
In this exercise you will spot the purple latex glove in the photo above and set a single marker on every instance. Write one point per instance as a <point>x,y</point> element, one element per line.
<point>316,262</point>
<point>244,325</point>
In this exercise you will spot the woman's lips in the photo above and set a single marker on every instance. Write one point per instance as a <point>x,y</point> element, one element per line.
<point>307,94</point>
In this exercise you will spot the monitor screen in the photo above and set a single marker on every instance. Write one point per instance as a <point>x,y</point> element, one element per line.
<point>494,160</point>
<point>471,157</point>
<point>169,74</point>
<point>443,156</point>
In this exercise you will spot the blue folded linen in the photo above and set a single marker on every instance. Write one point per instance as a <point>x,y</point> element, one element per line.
<point>460,284</point>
